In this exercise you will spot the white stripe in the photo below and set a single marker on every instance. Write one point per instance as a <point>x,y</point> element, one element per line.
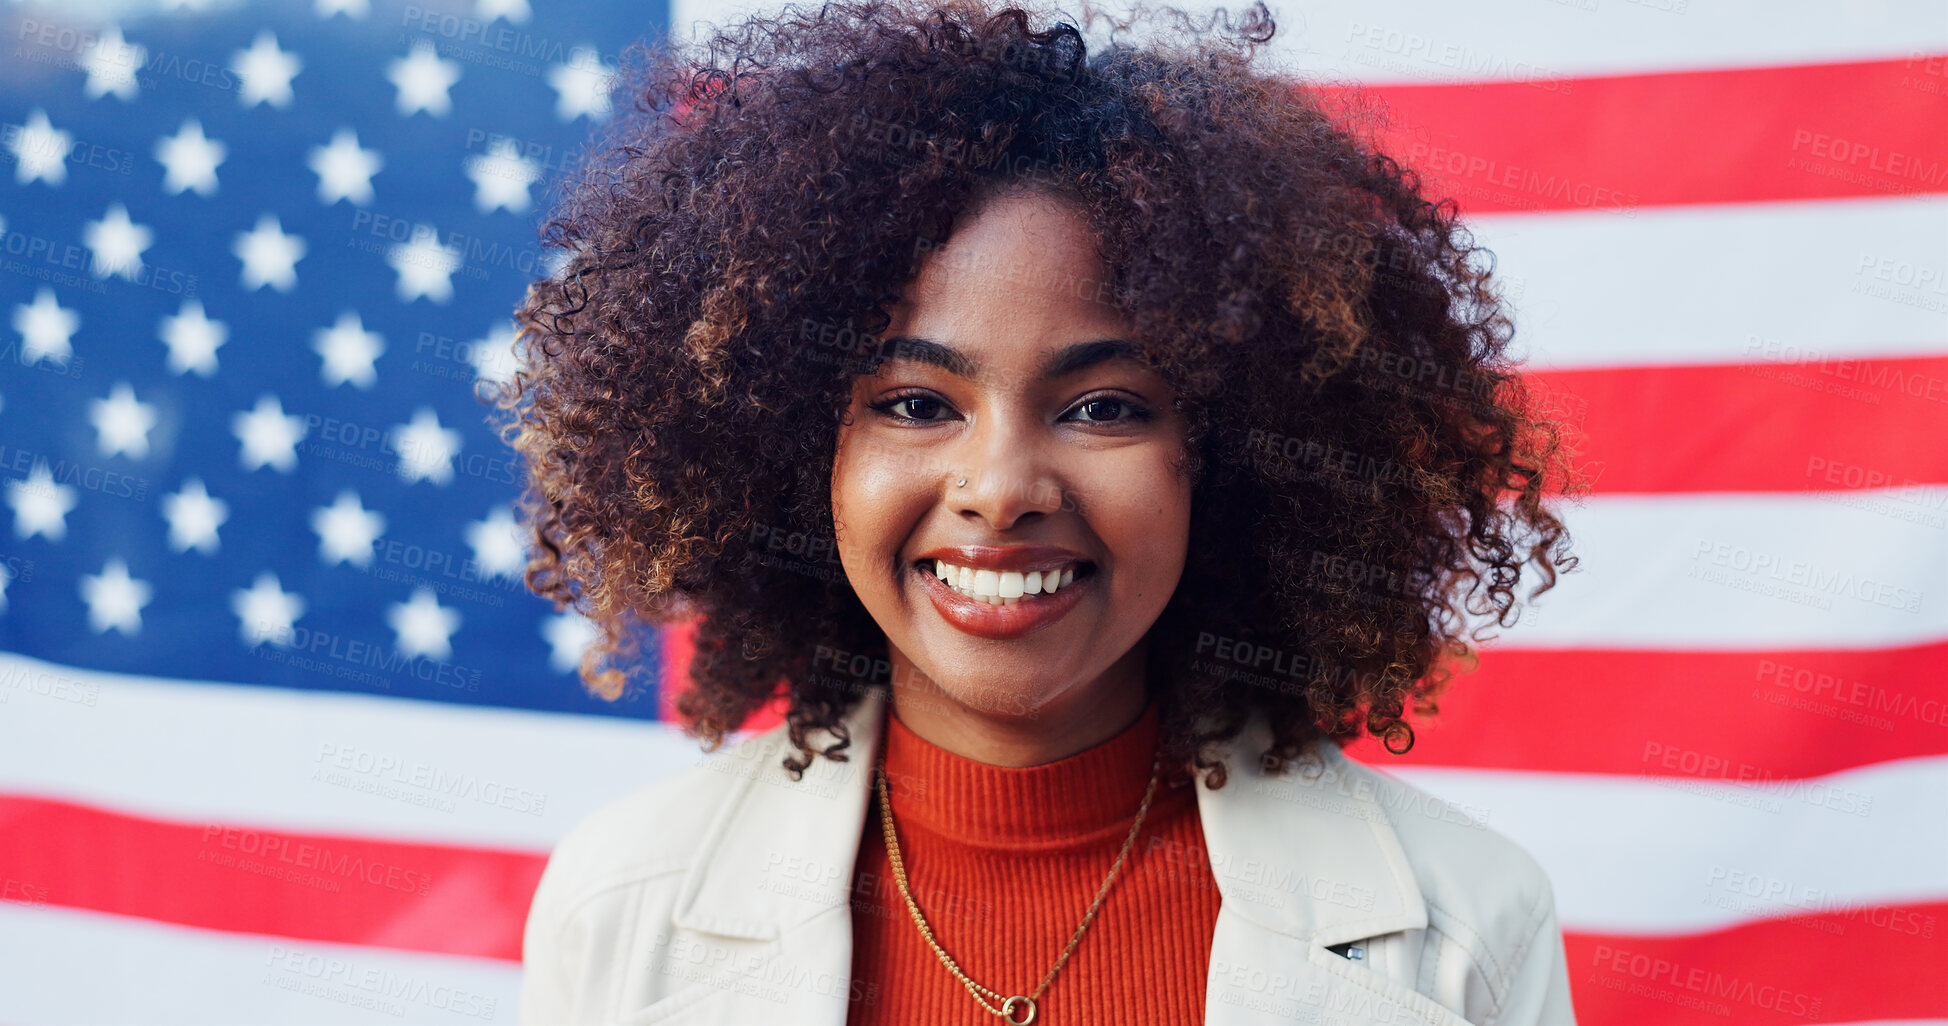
<point>1732,283</point>
<point>1718,572</point>
<point>62,965</point>
<point>1663,855</point>
<point>1627,854</point>
<point>1515,40</point>
<point>1708,283</point>
<point>273,758</point>
<point>67,965</point>
<point>1730,571</point>
<point>1414,41</point>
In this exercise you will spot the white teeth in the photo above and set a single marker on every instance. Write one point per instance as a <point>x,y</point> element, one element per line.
<point>1002,587</point>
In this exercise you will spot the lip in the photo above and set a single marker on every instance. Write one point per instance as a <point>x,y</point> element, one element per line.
<point>1024,558</point>
<point>1029,614</point>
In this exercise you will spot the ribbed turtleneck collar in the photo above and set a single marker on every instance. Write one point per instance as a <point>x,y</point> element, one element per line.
<point>1076,800</point>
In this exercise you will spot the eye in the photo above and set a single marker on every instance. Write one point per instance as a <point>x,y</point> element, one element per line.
<point>1109,409</point>
<point>911,406</point>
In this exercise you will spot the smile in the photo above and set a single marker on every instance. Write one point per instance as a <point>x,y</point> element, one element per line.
<point>1004,587</point>
<point>999,604</point>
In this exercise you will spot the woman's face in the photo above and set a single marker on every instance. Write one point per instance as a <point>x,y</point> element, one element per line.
<point>1007,373</point>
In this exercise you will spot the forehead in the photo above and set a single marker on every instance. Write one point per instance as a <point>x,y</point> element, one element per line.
<point>1019,272</point>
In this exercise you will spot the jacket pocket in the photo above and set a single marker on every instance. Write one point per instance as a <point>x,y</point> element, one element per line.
<point>1358,994</point>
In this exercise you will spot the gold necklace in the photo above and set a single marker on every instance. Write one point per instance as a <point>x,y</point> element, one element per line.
<point>1019,1001</point>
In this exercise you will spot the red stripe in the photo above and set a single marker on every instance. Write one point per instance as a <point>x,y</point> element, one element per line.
<point>346,890</point>
<point>476,901</point>
<point>1615,143</point>
<point>1794,714</point>
<point>1719,716</point>
<point>1829,425</point>
<point>1879,963</point>
<point>677,643</point>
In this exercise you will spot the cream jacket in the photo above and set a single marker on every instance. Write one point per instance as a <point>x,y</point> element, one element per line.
<point>720,895</point>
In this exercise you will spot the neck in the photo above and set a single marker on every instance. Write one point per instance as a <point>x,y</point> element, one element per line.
<point>1079,719</point>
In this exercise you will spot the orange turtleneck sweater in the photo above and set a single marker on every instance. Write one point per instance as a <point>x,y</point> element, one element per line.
<point>1004,862</point>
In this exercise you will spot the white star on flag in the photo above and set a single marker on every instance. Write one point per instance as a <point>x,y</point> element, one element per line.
<point>121,423</point>
<point>269,256</point>
<point>111,63</point>
<point>117,243</point>
<point>499,544</point>
<point>266,612</point>
<point>425,267</point>
<point>40,151</point>
<point>115,599</point>
<point>190,159</point>
<point>194,517</point>
<point>346,530</point>
<point>45,327</point>
<point>568,635</point>
<point>501,177</point>
<point>422,626</point>
<point>268,436</point>
<point>422,80</point>
<point>264,72</point>
<point>348,351</point>
<point>493,355</point>
<point>193,339</point>
<point>40,504</point>
<point>344,170</point>
<point>515,11</point>
<point>582,85</point>
<point>356,10</point>
<point>425,448</point>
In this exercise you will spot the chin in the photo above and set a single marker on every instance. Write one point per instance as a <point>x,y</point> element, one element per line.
<point>1000,696</point>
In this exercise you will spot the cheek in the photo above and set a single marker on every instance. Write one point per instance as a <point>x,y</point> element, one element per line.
<point>874,504</point>
<point>1148,521</point>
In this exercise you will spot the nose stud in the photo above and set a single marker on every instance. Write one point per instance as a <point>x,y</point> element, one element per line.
<point>960,482</point>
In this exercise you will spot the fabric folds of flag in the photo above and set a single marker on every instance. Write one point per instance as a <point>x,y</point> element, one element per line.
<point>284,738</point>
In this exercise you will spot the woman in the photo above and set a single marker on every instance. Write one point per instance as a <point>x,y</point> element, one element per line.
<point>1078,447</point>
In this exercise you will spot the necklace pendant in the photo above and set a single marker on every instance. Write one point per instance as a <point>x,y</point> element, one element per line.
<point>1008,1010</point>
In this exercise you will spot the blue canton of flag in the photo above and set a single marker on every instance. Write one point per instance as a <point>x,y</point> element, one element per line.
<point>257,258</point>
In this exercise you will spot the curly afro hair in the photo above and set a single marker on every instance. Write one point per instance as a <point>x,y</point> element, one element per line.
<point>1368,468</point>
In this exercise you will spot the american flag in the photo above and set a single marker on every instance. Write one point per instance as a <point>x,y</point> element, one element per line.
<point>284,739</point>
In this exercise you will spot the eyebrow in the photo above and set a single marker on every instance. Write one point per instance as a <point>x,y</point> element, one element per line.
<point>1065,361</point>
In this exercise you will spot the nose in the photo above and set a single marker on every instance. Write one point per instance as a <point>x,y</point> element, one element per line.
<point>1010,477</point>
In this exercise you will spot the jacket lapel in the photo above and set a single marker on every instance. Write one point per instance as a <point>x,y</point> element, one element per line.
<point>1304,861</point>
<point>763,917</point>
<point>1308,857</point>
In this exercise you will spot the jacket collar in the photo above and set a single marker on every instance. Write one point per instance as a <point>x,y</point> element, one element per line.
<point>1309,853</point>
<point>781,852</point>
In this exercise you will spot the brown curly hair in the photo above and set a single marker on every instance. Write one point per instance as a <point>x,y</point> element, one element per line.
<point>1366,462</point>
